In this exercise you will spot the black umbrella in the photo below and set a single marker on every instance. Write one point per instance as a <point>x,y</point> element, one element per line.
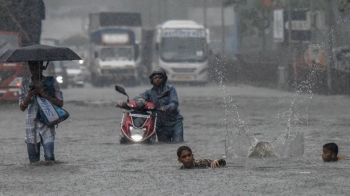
<point>39,52</point>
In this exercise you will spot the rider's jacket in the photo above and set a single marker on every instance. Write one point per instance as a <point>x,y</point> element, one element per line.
<point>171,102</point>
<point>203,163</point>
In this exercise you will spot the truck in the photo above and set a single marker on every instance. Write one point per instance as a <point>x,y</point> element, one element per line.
<point>181,49</point>
<point>20,25</point>
<point>115,48</point>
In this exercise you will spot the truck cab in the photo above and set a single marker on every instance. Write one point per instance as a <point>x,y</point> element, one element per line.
<point>114,48</point>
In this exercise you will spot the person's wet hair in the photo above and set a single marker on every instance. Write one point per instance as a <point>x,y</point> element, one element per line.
<point>182,148</point>
<point>35,63</point>
<point>331,147</point>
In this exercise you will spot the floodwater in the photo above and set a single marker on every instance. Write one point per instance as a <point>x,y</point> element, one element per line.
<point>219,121</point>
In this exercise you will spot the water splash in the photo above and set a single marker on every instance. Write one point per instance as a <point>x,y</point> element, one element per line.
<point>239,143</point>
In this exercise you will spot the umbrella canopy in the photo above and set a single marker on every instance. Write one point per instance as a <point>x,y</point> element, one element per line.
<point>39,52</point>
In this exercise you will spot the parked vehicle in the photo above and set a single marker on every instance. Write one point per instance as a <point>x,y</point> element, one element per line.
<point>16,30</point>
<point>10,73</point>
<point>58,71</point>
<point>139,119</point>
<point>75,73</point>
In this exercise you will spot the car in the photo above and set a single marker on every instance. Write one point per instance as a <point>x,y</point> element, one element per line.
<point>75,73</point>
<point>56,69</point>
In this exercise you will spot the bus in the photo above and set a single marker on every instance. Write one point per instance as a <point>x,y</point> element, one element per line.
<point>181,50</point>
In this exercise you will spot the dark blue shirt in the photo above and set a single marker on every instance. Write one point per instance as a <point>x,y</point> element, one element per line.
<point>171,102</point>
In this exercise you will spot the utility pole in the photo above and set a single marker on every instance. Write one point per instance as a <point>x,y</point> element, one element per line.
<point>205,5</point>
<point>223,27</point>
<point>159,11</point>
<point>290,46</point>
<point>330,46</point>
<point>165,8</point>
<point>313,21</point>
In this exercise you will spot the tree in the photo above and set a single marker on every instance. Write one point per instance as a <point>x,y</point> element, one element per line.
<point>24,17</point>
<point>344,5</point>
<point>255,18</point>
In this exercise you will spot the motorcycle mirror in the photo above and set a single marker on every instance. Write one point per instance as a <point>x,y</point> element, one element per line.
<point>164,94</point>
<point>121,90</point>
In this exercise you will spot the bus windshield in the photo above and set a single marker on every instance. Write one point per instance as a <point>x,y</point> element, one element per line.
<point>120,53</point>
<point>8,42</point>
<point>180,49</point>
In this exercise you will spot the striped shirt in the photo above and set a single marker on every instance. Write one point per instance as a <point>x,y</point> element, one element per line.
<point>33,127</point>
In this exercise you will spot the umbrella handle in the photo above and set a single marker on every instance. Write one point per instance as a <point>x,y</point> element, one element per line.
<point>47,63</point>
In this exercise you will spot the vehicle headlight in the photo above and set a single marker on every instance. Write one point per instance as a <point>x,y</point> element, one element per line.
<point>16,82</point>
<point>136,137</point>
<point>59,79</point>
<point>137,134</point>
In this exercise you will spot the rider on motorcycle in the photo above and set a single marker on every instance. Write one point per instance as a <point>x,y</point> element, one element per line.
<point>169,125</point>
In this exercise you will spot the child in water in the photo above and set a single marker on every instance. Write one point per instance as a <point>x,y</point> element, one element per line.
<point>185,156</point>
<point>330,153</point>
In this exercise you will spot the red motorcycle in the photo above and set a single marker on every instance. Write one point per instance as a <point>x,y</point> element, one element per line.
<point>139,119</point>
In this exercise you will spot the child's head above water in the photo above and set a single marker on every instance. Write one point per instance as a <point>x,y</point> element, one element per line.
<point>185,156</point>
<point>330,152</point>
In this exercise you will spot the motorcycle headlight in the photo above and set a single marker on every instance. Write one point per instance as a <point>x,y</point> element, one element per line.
<point>136,137</point>
<point>137,134</point>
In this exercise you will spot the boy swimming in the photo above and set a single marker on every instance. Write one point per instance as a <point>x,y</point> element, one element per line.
<point>185,156</point>
<point>330,153</point>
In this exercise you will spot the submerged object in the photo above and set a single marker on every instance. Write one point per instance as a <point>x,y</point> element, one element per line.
<point>262,150</point>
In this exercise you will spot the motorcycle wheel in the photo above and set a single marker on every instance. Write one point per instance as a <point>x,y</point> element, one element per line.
<point>151,140</point>
<point>123,140</point>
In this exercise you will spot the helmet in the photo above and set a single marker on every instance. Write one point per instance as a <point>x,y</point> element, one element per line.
<point>158,71</point>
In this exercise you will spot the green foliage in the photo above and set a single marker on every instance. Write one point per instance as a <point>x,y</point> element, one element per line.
<point>234,2</point>
<point>253,19</point>
<point>344,5</point>
<point>24,17</point>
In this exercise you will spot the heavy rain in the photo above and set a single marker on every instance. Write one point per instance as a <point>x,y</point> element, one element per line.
<point>262,84</point>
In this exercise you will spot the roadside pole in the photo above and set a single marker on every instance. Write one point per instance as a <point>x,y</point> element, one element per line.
<point>159,11</point>
<point>290,47</point>
<point>287,58</point>
<point>330,47</point>
<point>223,28</point>
<point>205,5</point>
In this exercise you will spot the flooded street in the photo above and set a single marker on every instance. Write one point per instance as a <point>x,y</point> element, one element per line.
<point>90,160</point>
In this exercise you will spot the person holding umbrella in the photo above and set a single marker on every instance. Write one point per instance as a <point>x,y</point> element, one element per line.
<point>37,132</point>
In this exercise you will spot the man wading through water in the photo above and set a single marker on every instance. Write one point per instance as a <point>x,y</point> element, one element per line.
<point>36,132</point>
<point>169,121</point>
